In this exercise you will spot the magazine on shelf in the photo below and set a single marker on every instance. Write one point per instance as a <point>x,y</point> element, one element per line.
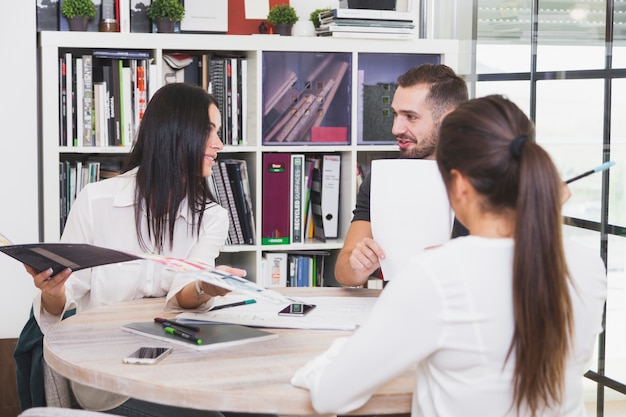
<point>77,256</point>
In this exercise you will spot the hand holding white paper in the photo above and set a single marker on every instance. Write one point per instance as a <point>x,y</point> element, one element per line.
<point>410,210</point>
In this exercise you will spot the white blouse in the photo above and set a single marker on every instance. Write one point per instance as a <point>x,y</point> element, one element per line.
<point>450,313</point>
<point>104,215</point>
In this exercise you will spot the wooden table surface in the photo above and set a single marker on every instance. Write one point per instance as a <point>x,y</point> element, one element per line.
<point>253,377</point>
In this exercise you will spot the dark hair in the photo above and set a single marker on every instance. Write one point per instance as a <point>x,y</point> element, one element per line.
<point>475,139</point>
<point>169,151</point>
<point>447,90</point>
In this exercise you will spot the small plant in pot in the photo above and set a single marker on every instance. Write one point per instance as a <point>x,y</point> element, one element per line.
<point>165,13</point>
<point>78,13</point>
<point>282,17</point>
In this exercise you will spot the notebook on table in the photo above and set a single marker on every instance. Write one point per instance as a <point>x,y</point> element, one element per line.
<point>213,335</point>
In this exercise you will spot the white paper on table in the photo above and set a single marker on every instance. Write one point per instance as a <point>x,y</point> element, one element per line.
<point>410,210</point>
<point>330,313</point>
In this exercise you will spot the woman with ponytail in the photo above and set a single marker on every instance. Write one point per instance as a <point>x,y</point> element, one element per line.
<point>499,323</point>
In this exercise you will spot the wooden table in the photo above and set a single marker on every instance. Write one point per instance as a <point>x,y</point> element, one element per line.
<point>254,377</point>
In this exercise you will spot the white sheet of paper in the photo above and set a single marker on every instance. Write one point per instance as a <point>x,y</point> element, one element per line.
<point>257,9</point>
<point>410,210</point>
<point>330,313</point>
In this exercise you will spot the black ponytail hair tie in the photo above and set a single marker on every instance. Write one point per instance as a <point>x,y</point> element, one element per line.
<point>516,145</point>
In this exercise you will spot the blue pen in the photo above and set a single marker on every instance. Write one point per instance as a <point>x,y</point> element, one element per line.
<point>602,167</point>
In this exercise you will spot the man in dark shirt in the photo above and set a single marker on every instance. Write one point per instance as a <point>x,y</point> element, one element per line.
<point>425,94</point>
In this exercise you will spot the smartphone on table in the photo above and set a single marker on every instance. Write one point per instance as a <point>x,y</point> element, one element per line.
<point>296,309</point>
<point>148,355</point>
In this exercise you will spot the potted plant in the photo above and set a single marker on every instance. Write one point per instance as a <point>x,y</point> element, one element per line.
<point>78,12</point>
<point>315,16</point>
<point>282,17</point>
<point>165,13</point>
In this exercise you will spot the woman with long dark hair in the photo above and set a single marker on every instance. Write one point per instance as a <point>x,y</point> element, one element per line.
<point>499,323</point>
<point>160,204</point>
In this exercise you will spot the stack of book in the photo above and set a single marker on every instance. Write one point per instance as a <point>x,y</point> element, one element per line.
<point>230,186</point>
<point>367,23</point>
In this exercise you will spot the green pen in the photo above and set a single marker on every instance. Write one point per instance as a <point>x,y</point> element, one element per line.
<point>182,334</point>
<point>239,303</point>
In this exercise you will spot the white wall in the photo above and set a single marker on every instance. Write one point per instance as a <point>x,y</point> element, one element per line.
<point>19,199</point>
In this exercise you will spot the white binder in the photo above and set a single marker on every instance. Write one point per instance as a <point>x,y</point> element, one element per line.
<point>331,170</point>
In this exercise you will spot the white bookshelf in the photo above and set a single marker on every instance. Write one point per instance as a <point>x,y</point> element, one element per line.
<point>52,44</point>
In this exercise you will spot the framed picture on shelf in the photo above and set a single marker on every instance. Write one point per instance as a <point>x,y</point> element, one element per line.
<point>306,98</point>
<point>203,16</point>
<point>377,82</point>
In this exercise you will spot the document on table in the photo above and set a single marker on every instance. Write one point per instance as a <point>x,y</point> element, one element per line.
<point>410,210</point>
<point>331,313</point>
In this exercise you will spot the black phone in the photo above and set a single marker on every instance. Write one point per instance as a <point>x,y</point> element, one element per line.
<point>296,309</point>
<point>148,355</point>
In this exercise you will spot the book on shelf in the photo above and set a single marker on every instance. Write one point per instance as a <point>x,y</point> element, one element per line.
<point>369,23</point>
<point>309,163</point>
<point>62,102</point>
<point>232,204</point>
<point>218,88</point>
<point>225,76</point>
<point>62,194</point>
<point>306,268</point>
<point>105,99</point>
<point>330,29</point>
<point>216,183</point>
<point>369,35</point>
<point>122,8</point>
<point>274,269</point>
<point>77,256</point>
<point>73,182</point>
<point>69,99</point>
<point>211,335</point>
<point>345,13</point>
<point>126,103</point>
<point>120,54</point>
<point>73,176</point>
<point>242,81</point>
<point>103,74</point>
<point>87,128</point>
<point>78,101</point>
<point>141,91</point>
<point>228,110</point>
<point>300,275</point>
<point>316,203</point>
<point>237,173</point>
<point>101,120</point>
<point>331,174</point>
<point>233,109</point>
<point>297,189</point>
<point>276,177</point>
<point>115,94</point>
